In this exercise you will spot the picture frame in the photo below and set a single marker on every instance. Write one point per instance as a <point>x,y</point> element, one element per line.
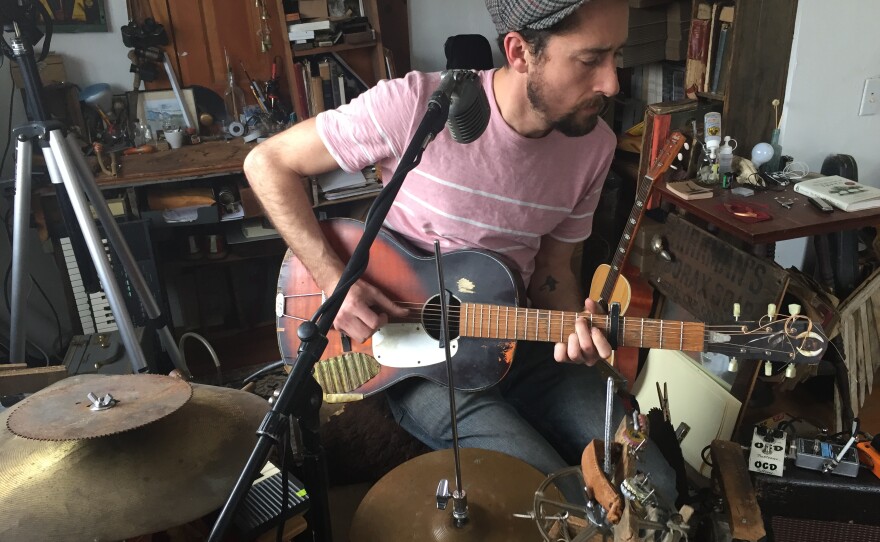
<point>77,15</point>
<point>160,108</point>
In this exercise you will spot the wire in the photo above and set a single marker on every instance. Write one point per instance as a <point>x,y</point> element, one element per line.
<point>8,124</point>
<point>796,170</point>
<point>706,460</point>
<point>59,338</point>
<point>204,341</point>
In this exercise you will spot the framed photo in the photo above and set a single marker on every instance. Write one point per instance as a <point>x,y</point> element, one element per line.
<point>77,15</point>
<point>160,109</point>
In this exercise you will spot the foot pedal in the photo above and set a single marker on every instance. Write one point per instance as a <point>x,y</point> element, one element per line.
<point>261,508</point>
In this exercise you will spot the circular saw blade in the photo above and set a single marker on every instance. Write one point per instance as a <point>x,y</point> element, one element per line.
<point>63,410</point>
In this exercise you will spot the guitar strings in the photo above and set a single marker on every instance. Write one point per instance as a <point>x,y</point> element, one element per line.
<point>553,318</point>
<point>648,328</point>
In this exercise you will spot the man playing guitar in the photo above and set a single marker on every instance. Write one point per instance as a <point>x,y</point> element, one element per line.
<point>526,190</point>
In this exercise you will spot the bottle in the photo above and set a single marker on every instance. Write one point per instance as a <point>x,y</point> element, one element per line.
<point>233,98</point>
<point>773,164</point>
<point>712,129</point>
<point>725,156</point>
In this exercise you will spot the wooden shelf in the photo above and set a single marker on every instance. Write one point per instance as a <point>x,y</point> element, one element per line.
<point>331,49</point>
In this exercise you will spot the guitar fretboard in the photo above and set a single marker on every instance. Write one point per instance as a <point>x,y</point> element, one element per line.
<point>503,322</point>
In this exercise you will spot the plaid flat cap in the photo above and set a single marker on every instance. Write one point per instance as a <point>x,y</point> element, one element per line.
<point>513,15</point>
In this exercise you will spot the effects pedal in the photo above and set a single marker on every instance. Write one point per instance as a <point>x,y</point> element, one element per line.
<point>767,452</point>
<point>817,455</point>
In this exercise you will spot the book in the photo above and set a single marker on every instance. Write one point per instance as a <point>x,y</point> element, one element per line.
<point>689,190</point>
<point>841,192</point>
<point>722,58</point>
<point>698,51</point>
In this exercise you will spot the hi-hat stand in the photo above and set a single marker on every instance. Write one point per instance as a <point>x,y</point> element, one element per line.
<point>73,182</point>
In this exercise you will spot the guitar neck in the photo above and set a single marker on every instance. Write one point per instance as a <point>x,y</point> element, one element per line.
<point>503,322</point>
<point>626,240</point>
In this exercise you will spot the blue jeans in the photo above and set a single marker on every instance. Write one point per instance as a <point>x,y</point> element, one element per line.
<point>543,412</point>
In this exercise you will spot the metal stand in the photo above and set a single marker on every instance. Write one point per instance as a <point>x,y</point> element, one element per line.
<point>297,393</point>
<point>72,179</point>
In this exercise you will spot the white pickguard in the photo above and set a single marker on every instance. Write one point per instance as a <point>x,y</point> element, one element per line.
<point>407,345</point>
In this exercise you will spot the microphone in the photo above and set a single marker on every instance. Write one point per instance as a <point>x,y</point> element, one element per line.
<point>468,105</point>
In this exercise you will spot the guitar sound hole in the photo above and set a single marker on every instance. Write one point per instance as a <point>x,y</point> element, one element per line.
<point>431,317</point>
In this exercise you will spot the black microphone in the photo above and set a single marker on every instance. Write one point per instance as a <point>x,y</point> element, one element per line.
<point>468,105</point>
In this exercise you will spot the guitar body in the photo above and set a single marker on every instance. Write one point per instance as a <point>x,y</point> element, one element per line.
<point>405,348</point>
<point>636,299</point>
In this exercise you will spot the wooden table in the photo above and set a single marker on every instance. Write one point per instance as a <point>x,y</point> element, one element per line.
<point>207,159</point>
<point>802,220</point>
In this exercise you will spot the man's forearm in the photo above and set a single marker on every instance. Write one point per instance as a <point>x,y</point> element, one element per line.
<point>281,191</point>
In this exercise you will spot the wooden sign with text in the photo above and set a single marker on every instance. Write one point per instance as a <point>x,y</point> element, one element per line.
<point>707,275</point>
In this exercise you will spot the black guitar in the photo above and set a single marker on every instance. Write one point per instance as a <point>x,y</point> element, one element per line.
<point>485,322</point>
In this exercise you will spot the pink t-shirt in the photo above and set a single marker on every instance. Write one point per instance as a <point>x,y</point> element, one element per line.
<point>501,193</point>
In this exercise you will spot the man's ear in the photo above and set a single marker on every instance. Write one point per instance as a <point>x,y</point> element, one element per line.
<point>517,51</point>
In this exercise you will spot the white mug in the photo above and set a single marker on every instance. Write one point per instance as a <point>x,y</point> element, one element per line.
<point>174,138</point>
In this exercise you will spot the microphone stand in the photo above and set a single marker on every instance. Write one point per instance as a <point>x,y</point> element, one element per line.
<point>300,395</point>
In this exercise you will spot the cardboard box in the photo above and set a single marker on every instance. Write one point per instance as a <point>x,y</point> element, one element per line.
<point>51,71</point>
<point>313,9</point>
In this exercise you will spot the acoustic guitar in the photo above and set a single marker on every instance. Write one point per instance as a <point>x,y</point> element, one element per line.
<point>617,283</point>
<point>485,322</point>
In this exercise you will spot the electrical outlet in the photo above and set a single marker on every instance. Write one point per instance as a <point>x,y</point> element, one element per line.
<point>870,97</point>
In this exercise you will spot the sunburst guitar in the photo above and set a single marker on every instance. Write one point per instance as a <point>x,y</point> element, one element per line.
<point>485,322</point>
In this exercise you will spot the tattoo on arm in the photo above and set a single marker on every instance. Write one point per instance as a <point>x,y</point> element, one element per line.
<point>549,284</point>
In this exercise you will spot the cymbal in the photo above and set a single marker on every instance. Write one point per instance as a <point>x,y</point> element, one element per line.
<point>62,411</point>
<point>163,474</point>
<point>402,505</point>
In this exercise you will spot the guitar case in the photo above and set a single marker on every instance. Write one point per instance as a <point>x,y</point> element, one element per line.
<point>837,253</point>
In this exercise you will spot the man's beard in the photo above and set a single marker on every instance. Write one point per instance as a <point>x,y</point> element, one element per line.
<point>572,124</point>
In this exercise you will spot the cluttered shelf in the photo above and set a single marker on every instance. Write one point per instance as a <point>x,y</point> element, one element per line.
<point>207,159</point>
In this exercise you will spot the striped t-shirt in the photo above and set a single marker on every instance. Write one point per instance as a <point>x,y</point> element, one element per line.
<point>502,192</point>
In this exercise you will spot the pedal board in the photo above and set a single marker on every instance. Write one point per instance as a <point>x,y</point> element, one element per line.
<point>261,507</point>
<point>815,454</point>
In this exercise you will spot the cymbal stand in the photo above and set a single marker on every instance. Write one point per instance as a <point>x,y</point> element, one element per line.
<point>73,181</point>
<point>459,496</point>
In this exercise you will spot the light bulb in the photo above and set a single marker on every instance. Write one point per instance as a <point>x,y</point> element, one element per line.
<point>761,154</point>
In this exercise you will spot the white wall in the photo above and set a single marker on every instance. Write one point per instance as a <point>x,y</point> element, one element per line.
<point>835,49</point>
<point>432,21</point>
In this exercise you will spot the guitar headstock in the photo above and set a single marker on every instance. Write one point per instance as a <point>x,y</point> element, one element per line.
<point>674,154</point>
<point>786,339</point>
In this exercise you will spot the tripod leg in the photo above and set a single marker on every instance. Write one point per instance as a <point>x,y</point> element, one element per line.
<point>61,171</point>
<point>117,241</point>
<point>22,212</point>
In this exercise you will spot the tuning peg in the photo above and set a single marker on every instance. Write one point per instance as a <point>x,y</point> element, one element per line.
<point>658,246</point>
<point>794,309</point>
<point>771,310</point>
<point>768,368</point>
<point>790,370</point>
<point>733,365</point>
<point>736,311</point>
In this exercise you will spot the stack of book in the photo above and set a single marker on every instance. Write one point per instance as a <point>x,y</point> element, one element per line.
<point>308,34</point>
<point>841,192</point>
<point>708,49</point>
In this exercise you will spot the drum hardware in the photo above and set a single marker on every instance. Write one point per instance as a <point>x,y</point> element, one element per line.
<point>178,466</point>
<point>101,403</point>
